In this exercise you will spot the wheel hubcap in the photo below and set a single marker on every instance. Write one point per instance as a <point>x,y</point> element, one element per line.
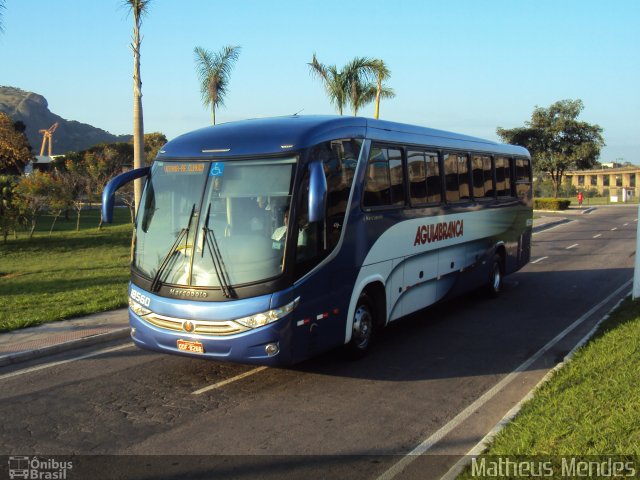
<point>362,323</point>
<point>496,278</point>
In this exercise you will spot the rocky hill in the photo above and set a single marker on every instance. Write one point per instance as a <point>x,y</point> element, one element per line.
<point>33,110</point>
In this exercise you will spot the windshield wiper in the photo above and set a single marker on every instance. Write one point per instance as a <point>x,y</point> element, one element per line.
<point>167,260</point>
<point>216,257</point>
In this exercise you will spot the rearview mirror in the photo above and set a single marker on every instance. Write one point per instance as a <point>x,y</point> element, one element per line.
<point>108,194</point>
<point>317,192</point>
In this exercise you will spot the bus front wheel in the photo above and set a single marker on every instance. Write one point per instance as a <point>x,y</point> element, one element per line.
<point>494,286</point>
<point>363,322</point>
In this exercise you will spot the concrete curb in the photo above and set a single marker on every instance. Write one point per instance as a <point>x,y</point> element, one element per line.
<point>26,355</point>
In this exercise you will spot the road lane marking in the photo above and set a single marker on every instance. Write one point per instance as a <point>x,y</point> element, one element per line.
<point>597,236</point>
<point>228,381</point>
<point>62,362</point>
<point>625,224</point>
<point>456,421</point>
<point>614,228</point>
<point>572,246</point>
<point>539,259</point>
<point>550,228</point>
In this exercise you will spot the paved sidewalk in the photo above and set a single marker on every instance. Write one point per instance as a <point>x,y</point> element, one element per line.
<point>29,343</point>
<point>34,342</point>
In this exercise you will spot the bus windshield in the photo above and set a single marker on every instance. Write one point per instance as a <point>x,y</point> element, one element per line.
<point>214,224</point>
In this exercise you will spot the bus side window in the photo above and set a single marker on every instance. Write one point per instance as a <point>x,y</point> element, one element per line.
<point>384,182</point>
<point>523,177</point>
<point>451,177</point>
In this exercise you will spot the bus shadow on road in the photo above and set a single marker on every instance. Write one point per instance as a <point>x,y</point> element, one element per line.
<point>472,335</point>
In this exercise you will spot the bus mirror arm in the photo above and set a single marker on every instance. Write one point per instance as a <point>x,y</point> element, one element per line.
<point>108,194</point>
<point>317,192</point>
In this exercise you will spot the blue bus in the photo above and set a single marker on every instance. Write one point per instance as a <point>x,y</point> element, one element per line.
<point>269,241</point>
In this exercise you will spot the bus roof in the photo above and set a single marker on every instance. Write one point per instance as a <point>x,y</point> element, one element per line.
<point>268,136</point>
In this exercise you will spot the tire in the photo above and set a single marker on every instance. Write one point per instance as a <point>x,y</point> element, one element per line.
<point>494,285</point>
<point>363,327</point>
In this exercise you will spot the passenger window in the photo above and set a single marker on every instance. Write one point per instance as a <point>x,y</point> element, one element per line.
<point>456,171</point>
<point>482,177</point>
<point>503,177</point>
<point>489,191</point>
<point>424,177</point>
<point>451,177</point>
<point>523,177</point>
<point>434,186</point>
<point>500,182</point>
<point>384,184</point>
<point>463,177</point>
<point>416,163</point>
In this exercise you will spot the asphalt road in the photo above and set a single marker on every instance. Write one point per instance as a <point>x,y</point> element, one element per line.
<point>433,386</point>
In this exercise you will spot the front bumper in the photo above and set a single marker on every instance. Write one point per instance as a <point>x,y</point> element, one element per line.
<point>246,347</point>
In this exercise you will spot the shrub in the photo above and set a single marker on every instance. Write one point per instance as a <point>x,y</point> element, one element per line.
<point>551,203</point>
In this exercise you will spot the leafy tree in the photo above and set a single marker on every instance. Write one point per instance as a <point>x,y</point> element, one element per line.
<point>76,181</point>
<point>31,197</point>
<point>557,140</point>
<point>59,198</point>
<point>103,162</point>
<point>214,70</point>
<point>15,151</point>
<point>87,172</point>
<point>9,213</point>
<point>139,8</point>
<point>153,142</point>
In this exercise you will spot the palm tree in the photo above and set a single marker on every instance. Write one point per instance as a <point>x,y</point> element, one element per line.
<point>335,82</point>
<point>354,84</point>
<point>214,70</point>
<point>358,73</point>
<point>139,8</point>
<point>382,73</point>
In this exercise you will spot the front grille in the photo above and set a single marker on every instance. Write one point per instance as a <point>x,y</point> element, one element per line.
<point>200,327</point>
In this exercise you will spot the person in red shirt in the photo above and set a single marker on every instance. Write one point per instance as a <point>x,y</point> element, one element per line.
<point>580,198</point>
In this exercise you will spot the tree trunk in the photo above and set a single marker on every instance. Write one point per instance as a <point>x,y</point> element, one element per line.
<point>78,219</point>
<point>378,91</point>
<point>138,127</point>
<point>33,227</point>
<point>53,224</point>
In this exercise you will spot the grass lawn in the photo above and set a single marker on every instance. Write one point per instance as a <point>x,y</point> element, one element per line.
<point>590,408</point>
<point>67,274</point>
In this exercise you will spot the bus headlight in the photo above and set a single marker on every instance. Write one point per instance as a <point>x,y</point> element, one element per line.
<point>264,318</point>
<point>138,309</point>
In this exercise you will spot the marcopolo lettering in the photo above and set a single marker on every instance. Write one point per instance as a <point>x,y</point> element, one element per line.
<point>439,231</point>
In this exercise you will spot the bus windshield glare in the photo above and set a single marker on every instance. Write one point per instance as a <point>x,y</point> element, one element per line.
<point>214,224</point>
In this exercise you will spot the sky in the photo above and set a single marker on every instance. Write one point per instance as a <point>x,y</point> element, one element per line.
<point>467,66</point>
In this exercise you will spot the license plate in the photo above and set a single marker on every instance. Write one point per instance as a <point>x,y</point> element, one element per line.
<point>193,347</point>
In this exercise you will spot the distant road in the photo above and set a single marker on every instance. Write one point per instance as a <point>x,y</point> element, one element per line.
<point>435,384</point>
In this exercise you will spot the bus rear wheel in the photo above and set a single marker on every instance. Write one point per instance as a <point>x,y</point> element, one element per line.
<point>363,322</point>
<point>494,286</point>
